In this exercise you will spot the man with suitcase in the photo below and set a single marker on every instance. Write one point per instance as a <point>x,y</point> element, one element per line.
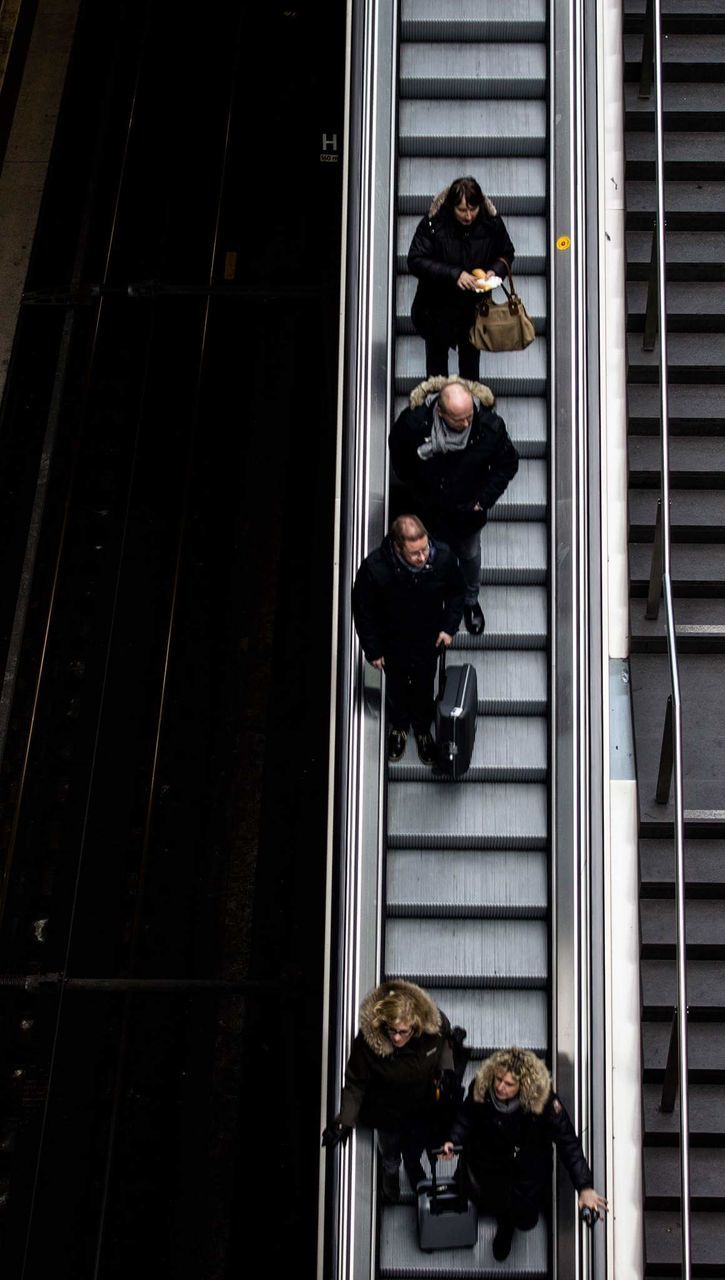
<point>454,455</point>
<point>408,601</point>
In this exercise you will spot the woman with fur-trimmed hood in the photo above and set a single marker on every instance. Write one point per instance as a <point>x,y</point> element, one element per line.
<point>506,1127</point>
<point>401,1051</point>
<point>462,231</point>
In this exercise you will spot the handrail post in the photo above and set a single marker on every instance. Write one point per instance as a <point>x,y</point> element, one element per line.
<point>645,75</point>
<point>664,776</point>
<point>670,1082</point>
<point>654,592</point>
<point>650,314</point>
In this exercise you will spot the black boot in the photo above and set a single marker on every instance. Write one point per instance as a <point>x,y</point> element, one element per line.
<point>502,1239</point>
<point>391,1187</point>
<point>416,1174</point>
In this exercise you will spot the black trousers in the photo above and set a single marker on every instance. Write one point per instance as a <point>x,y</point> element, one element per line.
<point>409,686</point>
<point>505,1201</point>
<point>436,358</point>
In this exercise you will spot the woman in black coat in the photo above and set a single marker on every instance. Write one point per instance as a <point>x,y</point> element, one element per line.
<point>507,1126</point>
<point>461,232</point>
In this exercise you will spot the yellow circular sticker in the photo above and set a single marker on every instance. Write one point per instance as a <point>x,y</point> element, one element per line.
<point>563,242</point>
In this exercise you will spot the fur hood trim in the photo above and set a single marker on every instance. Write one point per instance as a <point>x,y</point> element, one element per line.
<point>419,394</point>
<point>424,1009</point>
<point>532,1074</point>
<point>438,200</point>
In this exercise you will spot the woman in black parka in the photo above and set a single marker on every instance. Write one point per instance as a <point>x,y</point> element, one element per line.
<point>461,232</point>
<point>507,1126</point>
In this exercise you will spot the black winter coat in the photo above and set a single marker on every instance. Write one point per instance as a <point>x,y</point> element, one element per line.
<point>440,250</point>
<point>504,1152</point>
<point>389,1092</point>
<point>447,486</point>
<point>398,613</point>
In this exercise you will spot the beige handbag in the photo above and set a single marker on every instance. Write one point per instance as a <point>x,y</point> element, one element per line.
<point>502,326</point>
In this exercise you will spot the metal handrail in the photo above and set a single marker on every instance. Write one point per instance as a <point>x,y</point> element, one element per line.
<point>679,822</point>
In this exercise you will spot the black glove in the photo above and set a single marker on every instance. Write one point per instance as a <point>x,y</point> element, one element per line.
<point>334,1134</point>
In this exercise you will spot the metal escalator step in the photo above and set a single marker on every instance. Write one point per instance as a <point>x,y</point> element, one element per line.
<point>695,461</point>
<point>516,618</point>
<point>400,1255</point>
<point>526,498</point>
<point>705,987</point>
<point>707,1115</point>
<point>704,868</point>
<point>706,1051</point>
<point>528,233</point>
<point>697,410</point>
<point>705,928</point>
<point>663,1245</point>
<point>507,749</point>
<point>517,185</point>
<point>514,552</point>
<point>492,815</point>
<point>531,288</point>
<point>476,883</point>
<point>662,1178</point>
<point>505,372</point>
<point>697,306</point>
<point>698,568</point>
<point>458,70</point>
<point>691,358</point>
<point>697,515</point>
<point>499,20</point>
<point>481,127</point>
<point>510,683</point>
<point>496,1019</point>
<point>689,257</point>
<point>472,953</point>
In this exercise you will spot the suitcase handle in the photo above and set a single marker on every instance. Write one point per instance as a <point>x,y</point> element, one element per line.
<point>433,1157</point>
<point>441,672</point>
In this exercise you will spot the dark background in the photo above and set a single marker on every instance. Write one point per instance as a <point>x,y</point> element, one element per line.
<point>164,774</point>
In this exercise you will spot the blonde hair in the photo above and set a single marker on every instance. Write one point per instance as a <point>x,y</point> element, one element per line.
<point>395,1006</point>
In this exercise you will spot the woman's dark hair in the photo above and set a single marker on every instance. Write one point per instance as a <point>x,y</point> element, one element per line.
<point>464,189</point>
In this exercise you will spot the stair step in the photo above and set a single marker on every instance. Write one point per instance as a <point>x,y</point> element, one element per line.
<point>516,618</point>
<point>480,127</point>
<point>687,154</point>
<point>698,569</point>
<point>695,461</point>
<point>495,1019</point>
<point>505,372</point>
<point>689,257</point>
<point>499,21</point>
<point>687,105</point>
<point>700,625</point>
<point>531,288</point>
<point>705,988</point>
<point>704,922</point>
<point>691,357</point>
<point>695,410</point>
<point>481,884</point>
<point>704,868</point>
<point>694,307</point>
<point>507,749</point>
<point>685,57</point>
<point>706,1051</point>
<point>492,815</point>
<point>477,954</point>
<point>706,1113</point>
<point>663,1244</point>
<point>662,1178</point>
<point>696,515</point>
<point>527,232</point>
<point>399,1244</point>
<point>459,70</point>
<point>691,206</point>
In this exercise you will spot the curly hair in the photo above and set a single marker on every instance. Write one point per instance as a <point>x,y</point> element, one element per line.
<point>530,1071</point>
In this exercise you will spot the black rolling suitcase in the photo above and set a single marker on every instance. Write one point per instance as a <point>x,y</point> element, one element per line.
<point>455,716</point>
<point>447,1219</point>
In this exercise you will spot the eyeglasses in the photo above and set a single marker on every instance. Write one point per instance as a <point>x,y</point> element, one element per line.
<point>402,1032</point>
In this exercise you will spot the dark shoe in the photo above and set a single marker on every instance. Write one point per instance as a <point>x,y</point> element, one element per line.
<point>502,1241</point>
<point>474,619</point>
<point>416,1174</point>
<point>391,1187</point>
<point>396,744</point>
<point>426,748</point>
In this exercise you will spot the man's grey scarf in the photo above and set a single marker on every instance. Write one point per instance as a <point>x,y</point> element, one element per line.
<point>442,439</point>
<point>507,1108</point>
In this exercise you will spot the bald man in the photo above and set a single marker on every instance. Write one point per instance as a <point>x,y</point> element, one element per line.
<point>454,455</point>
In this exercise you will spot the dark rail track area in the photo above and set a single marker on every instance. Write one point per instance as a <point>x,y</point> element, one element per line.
<point>167,467</point>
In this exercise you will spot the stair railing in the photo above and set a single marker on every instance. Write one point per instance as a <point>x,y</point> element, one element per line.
<point>671,755</point>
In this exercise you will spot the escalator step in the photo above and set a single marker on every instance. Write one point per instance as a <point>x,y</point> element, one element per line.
<point>477,883</point>
<point>500,20</point>
<point>492,815</point>
<point>516,186</point>
<point>457,70</point>
<point>476,953</point>
<point>506,373</point>
<point>531,288</point>
<point>475,128</point>
<point>400,1255</point>
<point>496,1019</point>
<point>509,682</point>
<point>507,749</point>
<point>514,552</point>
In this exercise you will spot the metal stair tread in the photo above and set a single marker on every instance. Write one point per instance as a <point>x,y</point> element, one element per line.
<point>499,20</point>
<point>478,127</point>
<point>688,455</point>
<point>662,1174</point>
<point>498,884</point>
<point>691,357</point>
<point>495,1019</point>
<point>516,618</point>
<point>704,866</point>
<point>477,953</point>
<point>694,51</point>
<point>510,372</point>
<point>532,289</point>
<point>691,199</point>
<point>400,1255</point>
<point>462,70</point>
<point>493,815</point>
<point>706,1050</point>
<point>705,986</point>
<point>688,257</point>
<point>706,1108</point>
<point>679,146</point>
<point>684,97</point>
<point>699,511</point>
<point>507,749</point>
<point>527,231</point>
<point>516,185</point>
<point>693,409</point>
<point>663,1245</point>
<point>510,682</point>
<point>514,551</point>
<point>700,624</point>
<point>705,923</point>
<point>698,568</point>
<point>692,299</point>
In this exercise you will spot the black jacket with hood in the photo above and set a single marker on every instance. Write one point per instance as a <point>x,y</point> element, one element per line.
<point>440,250</point>
<point>387,1088</point>
<point>399,613</point>
<point>447,486</point>
<point>506,1151</point>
